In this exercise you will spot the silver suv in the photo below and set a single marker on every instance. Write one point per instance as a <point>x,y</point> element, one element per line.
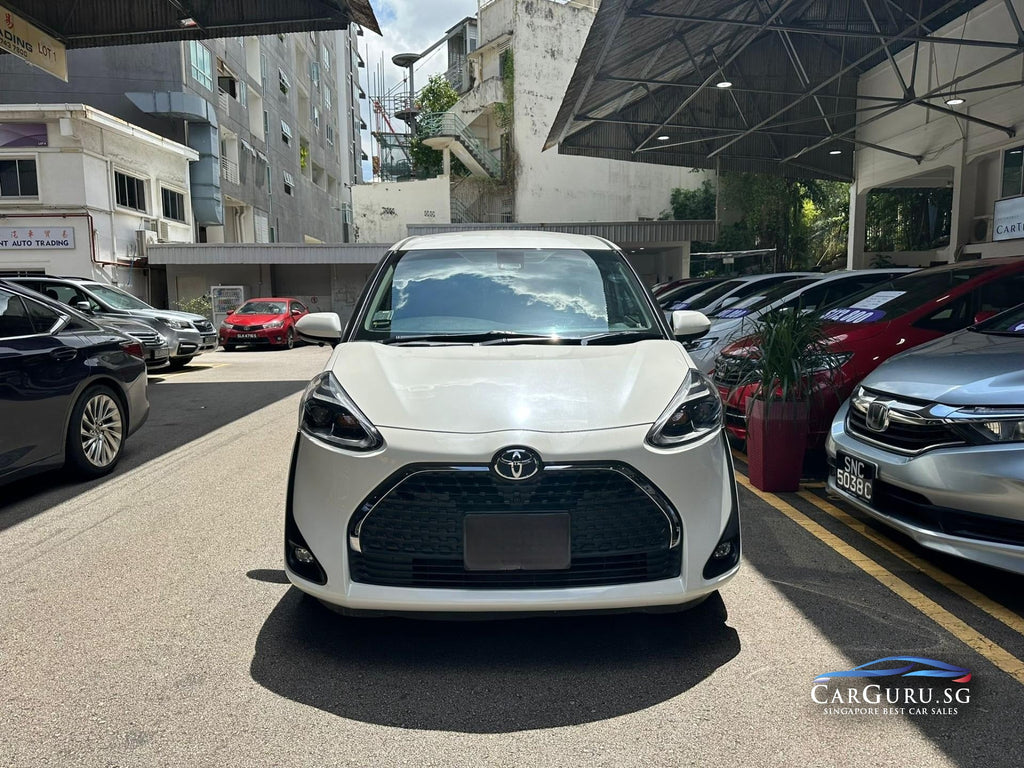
<point>187,334</point>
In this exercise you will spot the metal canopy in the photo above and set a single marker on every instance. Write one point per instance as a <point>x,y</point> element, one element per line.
<point>645,88</point>
<point>93,23</point>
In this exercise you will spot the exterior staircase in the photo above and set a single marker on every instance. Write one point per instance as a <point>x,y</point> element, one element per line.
<point>446,130</point>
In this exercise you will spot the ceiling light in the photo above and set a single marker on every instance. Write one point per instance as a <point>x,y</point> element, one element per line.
<point>724,84</point>
<point>955,101</point>
<point>836,152</point>
<point>188,22</point>
<point>663,138</point>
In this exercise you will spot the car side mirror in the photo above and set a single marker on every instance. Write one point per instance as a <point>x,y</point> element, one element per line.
<point>688,325</point>
<point>320,328</point>
<point>82,306</point>
<point>296,311</point>
<point>985,314</point>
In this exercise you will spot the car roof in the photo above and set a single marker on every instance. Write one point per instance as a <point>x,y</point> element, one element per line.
<point>841,273</point>
<point>270,298</point>
<point>503,238</point>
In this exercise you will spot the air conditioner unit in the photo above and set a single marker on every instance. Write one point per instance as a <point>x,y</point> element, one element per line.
<point>150,225</point>
<point>163,234</point>
<point>981,229</point>
<point>144,238</point>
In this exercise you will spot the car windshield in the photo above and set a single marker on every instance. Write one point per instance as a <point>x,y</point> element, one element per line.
<point>261,308</point>
<point>706,297</point>
<point>538,293</point>
<point>765,298</point>
<point>683,292</point>
<point>1009,323</point>
<point>117,298</point>
<point>892,299</point>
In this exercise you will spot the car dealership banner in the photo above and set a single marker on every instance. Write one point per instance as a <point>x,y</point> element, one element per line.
<point>30,238</point>
<point>30,43</point>
<point>1008,222</point>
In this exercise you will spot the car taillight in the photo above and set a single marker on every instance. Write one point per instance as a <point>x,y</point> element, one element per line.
<point>133,348</point>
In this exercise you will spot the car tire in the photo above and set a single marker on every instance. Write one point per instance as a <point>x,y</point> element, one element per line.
<point>230,347</point>
<point>290,340</point>
<point>177,363</point>
<point>96,432</point>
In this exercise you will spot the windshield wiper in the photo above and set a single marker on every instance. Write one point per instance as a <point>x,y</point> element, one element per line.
<point>486,338</point>
<point>619,337</point>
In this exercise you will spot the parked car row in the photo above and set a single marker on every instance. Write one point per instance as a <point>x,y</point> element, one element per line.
<point>932,441</point>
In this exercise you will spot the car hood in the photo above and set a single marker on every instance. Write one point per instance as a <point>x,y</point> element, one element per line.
<point>964,368</point>
<point>545,388</point>
<point>252,319</point>
<point>171,313</point>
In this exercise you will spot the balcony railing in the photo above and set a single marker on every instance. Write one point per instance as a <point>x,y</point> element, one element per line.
<point>437,124</point>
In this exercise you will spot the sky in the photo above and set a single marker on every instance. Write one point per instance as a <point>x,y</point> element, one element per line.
<point>408,26</point>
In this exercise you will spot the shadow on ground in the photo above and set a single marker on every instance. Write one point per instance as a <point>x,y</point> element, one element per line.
<point>178,415</point>
<point>489,676</point>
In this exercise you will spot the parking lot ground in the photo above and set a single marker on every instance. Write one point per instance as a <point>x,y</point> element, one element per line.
<point>147,622</point>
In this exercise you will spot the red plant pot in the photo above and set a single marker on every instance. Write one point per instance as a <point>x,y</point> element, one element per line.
<point>776,440</point>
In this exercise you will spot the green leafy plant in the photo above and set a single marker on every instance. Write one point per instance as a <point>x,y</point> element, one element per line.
<point>303,156</point>
<point>504,110</point>
<point>438,95</point>
<point>200,305</point>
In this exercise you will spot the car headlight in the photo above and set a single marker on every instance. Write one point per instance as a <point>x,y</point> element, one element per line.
<point>178,325</point>
<point>329,415</point>
<point>990,425</point>
<point>274,324</point>
<point>694,412</point>
<point>225,325</point>
<point>701,344</point>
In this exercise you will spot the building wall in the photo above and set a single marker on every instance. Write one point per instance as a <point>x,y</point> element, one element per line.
<point>75,175</point>
<point>968,153</point>
<point>383,211</point>
<point>547,40</point>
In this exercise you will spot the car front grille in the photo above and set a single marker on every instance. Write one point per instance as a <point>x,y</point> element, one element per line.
<point>150,339</point>
<point>907,429</point>
<point>248,327</point>
<point>203,326</point>
<point>409,533</point>
<point>731,370</point>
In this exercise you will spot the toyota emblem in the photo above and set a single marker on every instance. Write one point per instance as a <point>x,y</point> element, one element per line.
<point>515,463</point>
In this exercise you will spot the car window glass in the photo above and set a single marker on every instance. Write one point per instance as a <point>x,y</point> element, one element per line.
<point>299,306</point>
<point>809,299</point>
<point>70,295</point>
<point>1000,295</point>
<point>14,319</point>
<point>953,316</point>
<point>44,319</point>
<point>117,298</point>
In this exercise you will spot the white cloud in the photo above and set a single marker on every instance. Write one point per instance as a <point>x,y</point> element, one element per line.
<point>408,26</point>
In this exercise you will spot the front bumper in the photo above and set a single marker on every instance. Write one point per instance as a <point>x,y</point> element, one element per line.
<point>966,501</point>
<point>189,343</point>
<point>328,485</point>
<point>264,336</point>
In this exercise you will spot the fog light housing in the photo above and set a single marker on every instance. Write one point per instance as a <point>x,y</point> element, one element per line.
<point>722,550</point>
<point>726,554</point>
<point>302,554</point>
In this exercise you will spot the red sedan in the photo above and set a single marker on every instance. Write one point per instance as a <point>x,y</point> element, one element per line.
<point>262,322</point>
<point>876,324</point>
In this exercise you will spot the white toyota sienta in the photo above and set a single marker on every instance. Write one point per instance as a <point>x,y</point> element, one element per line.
<point>508,424</point>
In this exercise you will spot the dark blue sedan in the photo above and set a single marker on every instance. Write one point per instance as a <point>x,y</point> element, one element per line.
<point>71,391</point>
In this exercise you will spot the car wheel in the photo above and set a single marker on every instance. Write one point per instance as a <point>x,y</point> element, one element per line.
<point>96,433</point>
<point>290,342</point>
<point>178,363</point>
<point>230,347</point>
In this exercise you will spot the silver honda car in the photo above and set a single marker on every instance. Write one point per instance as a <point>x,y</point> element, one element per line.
<point>932,443</point>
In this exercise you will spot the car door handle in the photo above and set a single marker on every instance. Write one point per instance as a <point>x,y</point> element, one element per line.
<point>64,353</point>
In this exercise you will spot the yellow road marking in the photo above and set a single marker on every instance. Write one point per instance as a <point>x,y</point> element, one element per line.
<point>966,634</point>
<point>195,369</point>
<point>955,585</point>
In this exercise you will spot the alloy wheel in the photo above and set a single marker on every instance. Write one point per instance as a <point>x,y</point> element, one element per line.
<point>101,430</point>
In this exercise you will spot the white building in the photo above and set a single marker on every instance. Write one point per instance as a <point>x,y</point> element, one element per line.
<point>525,54</point>
<point>82,192</point>
<point>977,155</point>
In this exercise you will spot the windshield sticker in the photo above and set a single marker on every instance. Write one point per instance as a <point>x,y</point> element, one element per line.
<point>876,300</point>
<point>381,319</point>
<point>729,314</point>
<point>1018,328</point>
<point>853,315</point>
<point>679,305</point>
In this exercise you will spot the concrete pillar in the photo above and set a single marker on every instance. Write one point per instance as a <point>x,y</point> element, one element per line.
<point>965,183</point>
<point>446,162</point>
<point>675,262</point>
<point>855,256</point>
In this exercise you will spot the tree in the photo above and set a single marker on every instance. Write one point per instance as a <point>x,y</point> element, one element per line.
<point>692,203</point>
<point>438,95</point>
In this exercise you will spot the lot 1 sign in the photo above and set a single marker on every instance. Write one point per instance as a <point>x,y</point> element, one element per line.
<point>28,42</point>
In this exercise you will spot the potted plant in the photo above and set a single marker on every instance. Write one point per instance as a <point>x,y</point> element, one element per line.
<point>786,350</point>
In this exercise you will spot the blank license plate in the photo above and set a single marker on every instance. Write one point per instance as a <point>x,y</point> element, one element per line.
<point>499,542</point>
<point>855,476</point>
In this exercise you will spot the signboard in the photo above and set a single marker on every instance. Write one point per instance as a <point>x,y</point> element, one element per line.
<point>27,42</point>
<point>226,299</point>
<point>1008,221</point>
<point>22,135</point>
<point>34,238</point>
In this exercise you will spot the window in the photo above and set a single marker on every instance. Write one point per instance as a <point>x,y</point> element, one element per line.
<point>18,178</point>
<point>330,135</point>
<point>286,132</point>
<point>315,115</point>
<point>266,122</point>
<point>283,82</point>
<point>270,181</point>
<point>289,182</point>
<point>1013,172</point>
<point>173,204</point>
<point>14,319</point>
<point>263,71</point>
<point>325,57</point>
<point>328,98</point>
<point>129,191</point>
<point>262,224</point>
<point>202,64</point>
<point>44,319</point>
<point>314,73</point>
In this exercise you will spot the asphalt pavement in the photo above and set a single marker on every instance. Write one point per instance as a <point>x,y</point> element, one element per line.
<point>147,622</point>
